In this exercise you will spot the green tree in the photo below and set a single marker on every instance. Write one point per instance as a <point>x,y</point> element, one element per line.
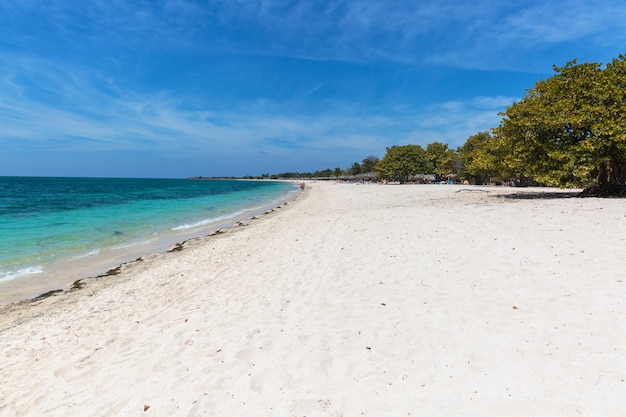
<point>355,169</point>
<point>571,128</point>
<point>326,173</point>
<point>402,162</point>
<point>484,158</point>
<point>369,163</point>
<point>338,172</point>
<point>441,159</point>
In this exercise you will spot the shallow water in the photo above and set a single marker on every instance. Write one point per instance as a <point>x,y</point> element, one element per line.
<point>55,229</point>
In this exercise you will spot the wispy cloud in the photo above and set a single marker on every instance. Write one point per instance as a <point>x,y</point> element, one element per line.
<point>97,114</point>
<point>456,33</point>
<point>535,35</point>
<point>472,34</point>
<point>277,79</point>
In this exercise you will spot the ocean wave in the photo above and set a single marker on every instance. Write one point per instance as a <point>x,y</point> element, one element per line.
<point>132,244</point>
<point>208,221</point>
<point>90,253</point>
<point>11,275</point>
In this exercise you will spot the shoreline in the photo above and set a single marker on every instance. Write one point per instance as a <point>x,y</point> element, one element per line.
<point>41,285</point>
<point>15,312</point>
<point>354,300</point>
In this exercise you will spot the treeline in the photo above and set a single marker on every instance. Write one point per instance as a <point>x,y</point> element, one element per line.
<point>569,130</point>
<point>405,163</point>
<point>368,165</point>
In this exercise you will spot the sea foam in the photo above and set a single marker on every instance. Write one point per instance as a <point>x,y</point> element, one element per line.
<point>206,222</point>
<point>11,275</point>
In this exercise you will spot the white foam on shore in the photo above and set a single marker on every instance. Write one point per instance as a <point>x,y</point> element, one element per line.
<point>133,244</point>
<point>11,275</point>
<point>209,221</point>
<point>88,254</point>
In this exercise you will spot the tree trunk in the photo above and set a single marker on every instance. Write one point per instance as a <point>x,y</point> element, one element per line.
<point>618,176</point>
<point>611,180</point>
<point>603,175</point>
<point>618,171</point>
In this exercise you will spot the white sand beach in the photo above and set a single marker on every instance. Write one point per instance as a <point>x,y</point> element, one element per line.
<point>352,300</point>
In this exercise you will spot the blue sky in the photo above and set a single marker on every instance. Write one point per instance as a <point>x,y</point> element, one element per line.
<point>177,88</point>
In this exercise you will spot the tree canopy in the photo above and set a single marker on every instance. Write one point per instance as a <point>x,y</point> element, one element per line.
<point>402,162</point>
<point>478,158</point>
<point>570,129</point>
<point>369,163</point>
<point>441,159</point>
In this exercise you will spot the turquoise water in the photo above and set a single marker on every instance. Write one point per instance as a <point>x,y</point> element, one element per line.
<point>46,221</point>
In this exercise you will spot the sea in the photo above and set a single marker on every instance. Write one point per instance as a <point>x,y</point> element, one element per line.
<point>57,230</point>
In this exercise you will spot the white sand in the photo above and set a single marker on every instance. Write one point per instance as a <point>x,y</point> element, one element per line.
<point>352,300</point>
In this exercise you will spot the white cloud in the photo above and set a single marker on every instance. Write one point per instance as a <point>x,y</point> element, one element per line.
<point>104,75</point>
<point>115,119</point>
<point>481,33</point>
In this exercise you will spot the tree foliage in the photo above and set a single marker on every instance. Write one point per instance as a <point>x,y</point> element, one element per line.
<point>402,162</point>
<point>355,169</point>
<point>570,128</point>
<point>369,163</point>
<point>478,158</point>
<point>441,159</point>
